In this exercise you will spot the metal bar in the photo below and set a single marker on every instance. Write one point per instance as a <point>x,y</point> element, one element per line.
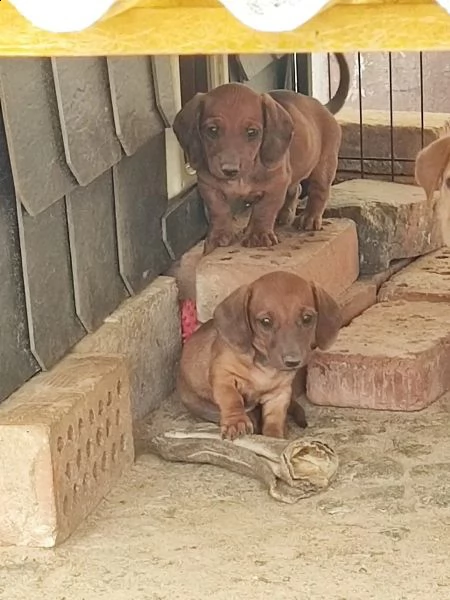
<point>329,75</point>
<point>361,144</point>
<point>377,159</point>
<point>391,115</point>
<point>304,74</point>
<point>422,125</point>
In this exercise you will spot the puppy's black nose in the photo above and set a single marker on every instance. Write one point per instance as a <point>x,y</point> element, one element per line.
<point>291,362</point>
<point>230,171</point>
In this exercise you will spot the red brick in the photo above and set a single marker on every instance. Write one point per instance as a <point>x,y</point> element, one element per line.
<point>393,220</point>
<point>328,257</point>
<point>360,296</point>
<point>427,278</point>
<point>395,356</point>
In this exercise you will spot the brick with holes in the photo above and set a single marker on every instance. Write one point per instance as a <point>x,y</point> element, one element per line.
<point>394,356</point>
<point>328,257</point>
<point>393,220</point>
<point>65,438</point>
<point>427,278</point>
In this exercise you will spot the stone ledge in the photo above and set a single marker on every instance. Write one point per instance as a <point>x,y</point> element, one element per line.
<point>376,140</point>
<point>393,221</point>
<point>146,330</point>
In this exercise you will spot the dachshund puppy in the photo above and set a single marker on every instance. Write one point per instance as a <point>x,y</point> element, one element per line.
<point>259,148</point>
<point>432,174</point>
<point>237,369</point>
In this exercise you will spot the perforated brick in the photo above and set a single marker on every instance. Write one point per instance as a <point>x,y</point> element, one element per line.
<point>393,220</point>
<point>65,438</point>
<point>328,257</point>
<point>427,278</point>
<point>394,356</point>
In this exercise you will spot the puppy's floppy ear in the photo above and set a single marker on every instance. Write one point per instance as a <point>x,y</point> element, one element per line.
<point>231,319</point>
<point>329,318</point>
<point>278,131</point>
<point>186,127</point>
<point>431,163</point>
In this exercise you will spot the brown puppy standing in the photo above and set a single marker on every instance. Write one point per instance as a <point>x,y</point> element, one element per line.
<point>259,147</point>
<point>240,365</point>
<point>433,173</point>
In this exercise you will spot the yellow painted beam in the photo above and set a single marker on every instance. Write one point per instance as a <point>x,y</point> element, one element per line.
<point>205,27</point>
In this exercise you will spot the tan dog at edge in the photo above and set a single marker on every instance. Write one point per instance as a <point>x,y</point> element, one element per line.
<point>238,368</point>
<point>259,148</point>
<point>432,173</point>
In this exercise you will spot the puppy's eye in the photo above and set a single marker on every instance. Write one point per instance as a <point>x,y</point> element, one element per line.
<point>212,131</point>
<point>266,322</point>
<point>252,133</point>
<point>307,319</point>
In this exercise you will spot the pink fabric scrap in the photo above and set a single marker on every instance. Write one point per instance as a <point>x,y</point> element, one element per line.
<point>189,322</point>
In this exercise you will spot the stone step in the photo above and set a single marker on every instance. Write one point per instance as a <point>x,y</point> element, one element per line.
<point>328,257</point>
<point>360,296</point>
<point>393,220</point>
<point>395,356</point>
<point>427,278</point>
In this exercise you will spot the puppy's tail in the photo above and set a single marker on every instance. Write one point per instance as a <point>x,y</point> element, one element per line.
<point>338,100</point>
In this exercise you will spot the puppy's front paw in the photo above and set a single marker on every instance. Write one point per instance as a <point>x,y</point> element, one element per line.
<point>234,427</point>
<point>310,222</point>
<point>260,239</point>
<point>274,430</point>
<point>216,239</point>
<point>286,216</point>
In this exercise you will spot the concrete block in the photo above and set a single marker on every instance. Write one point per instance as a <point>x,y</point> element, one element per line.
<point>328,257</point>
<point>377,141</point>
<point>393,221</point>
<point>65,438</point>
<point>146,330</point>
<point>427,278</point>
<point>395,356</point>
<point>360,296</point>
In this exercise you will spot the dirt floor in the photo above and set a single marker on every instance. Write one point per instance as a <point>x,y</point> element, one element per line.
<point>177,531</point>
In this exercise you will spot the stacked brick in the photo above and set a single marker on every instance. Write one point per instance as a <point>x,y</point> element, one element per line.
<point>380,254</point>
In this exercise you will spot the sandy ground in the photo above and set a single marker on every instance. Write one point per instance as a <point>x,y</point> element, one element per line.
<point>177,531</point>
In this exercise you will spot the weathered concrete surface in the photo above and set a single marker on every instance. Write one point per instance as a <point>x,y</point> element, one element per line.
<point>146,330</point>
<point>185,532</point>
<point>393,221</point>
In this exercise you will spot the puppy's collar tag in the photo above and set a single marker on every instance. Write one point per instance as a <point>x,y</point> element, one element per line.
<point>189,169</point>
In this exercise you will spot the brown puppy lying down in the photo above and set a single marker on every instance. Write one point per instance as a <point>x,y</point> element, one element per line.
<point>433,173</point>
<point>259,147</point>
<point>237,369</point>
